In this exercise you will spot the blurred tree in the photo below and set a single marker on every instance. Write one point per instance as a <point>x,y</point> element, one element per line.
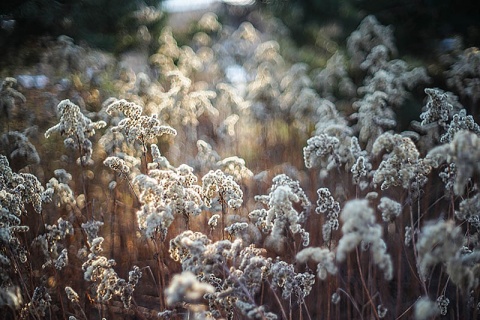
<point>417,22</point>
<point>101,23</point>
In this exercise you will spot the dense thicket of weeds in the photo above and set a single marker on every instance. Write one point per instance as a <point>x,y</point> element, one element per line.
<point>228,182</point>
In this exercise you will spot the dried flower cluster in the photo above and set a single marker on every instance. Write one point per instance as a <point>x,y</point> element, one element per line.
<point>321,147</point>
<point>390,209</point>
<point>8,94</point>
<point>369,34</point>
<point>235,273</point>
<point>58,191</point>
<point>327,204</point>
<point>186,288</point>
<point>324,258</point>
<point>107,284</point>
<point>218,184</point>
<point>136,126</point>
<point>281,220</point>
<point>77,128</point>
<point>51,246</point>
<point>18,148</point>
<point>359,227</point>
<point>463,75</point>
<point>441,242</point>
<point>17,192</point>
<point>402,166</point>
<point>164,194</point>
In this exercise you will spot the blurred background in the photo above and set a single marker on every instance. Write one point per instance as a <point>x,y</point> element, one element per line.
<point>109,24</point>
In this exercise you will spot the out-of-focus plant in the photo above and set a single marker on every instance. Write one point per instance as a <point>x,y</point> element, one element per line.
<point>8,94</point>
<point>18,148</point>
<point>99,23</point>
<point>19,194</point>
<point>463,77</point>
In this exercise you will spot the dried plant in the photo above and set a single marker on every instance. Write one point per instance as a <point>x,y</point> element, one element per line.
<point>359,227</point>
<point>136,126</point>
<point>8,94</point>
<point>17,146</point>
<point>193,229</point>
<point>462,151</point>
<point>77,128</point>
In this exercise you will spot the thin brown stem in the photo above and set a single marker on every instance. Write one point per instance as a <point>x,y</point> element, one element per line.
<point>144,154</point>
<point>374,309</point>
<point>290,308</point>
<point>22,281</point>
<point>349,277</point>
<point>399,271</point>
<point>84,182</point>
<point>161,273</point>
<point>62,307</point>
<point>81,310</point>
<point>354,304</point>
<point>306,310</point>
<point>279,302</point>
<point>133,190</point>
<point>405,312</point>
<point>224,213</point>
<point>415,252</point>
<point>414,273</point>
<point>329,301</point>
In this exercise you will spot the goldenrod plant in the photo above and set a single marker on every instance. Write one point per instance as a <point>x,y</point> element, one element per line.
<point>230,182</point>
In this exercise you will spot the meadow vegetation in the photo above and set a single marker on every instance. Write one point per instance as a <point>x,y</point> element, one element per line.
<point>228,181</point>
